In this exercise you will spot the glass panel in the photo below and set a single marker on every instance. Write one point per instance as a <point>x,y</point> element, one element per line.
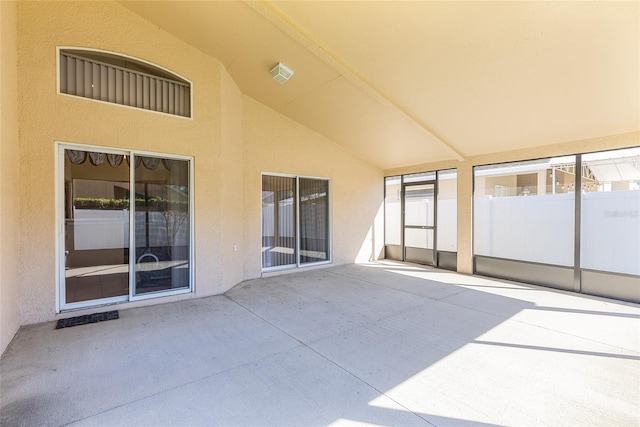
<point>314,220</point>
<point>421,238</point>
<point>162,235</point>
<point>96,226</point>
<point>278,221</point>
<point>392,211</point>
<point>418,205</point>
<point>610,228</point>
<point>525,210</point>
<point>419,245</point>
<point>448,210</point>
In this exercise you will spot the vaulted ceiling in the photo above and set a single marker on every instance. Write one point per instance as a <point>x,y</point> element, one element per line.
<point>407,82</point>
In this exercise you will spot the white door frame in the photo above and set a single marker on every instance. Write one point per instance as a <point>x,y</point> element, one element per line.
<point>60,302</point>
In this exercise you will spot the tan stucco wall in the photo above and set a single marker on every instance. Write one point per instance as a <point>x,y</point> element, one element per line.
<point>465,178</point>
<point>231,193</point>
<point>231,137</point>
<point>9,173</point>
<point>276,144</point>
<point>45,117</point>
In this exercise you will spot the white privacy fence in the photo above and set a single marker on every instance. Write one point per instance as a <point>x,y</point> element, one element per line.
<point>448,225</point>
<point>541,229</point>
<point>610,238</point>
<point>419,212</point>
<point>536,228</point>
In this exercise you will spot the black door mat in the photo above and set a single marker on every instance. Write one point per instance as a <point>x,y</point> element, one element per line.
<point>87,318</point>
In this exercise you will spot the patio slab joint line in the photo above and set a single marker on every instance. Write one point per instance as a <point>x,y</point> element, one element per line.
<point>332,362</point>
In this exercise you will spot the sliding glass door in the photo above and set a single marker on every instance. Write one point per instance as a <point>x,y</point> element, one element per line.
<point>118,244</point>
<point>314,220</point>
<point>96,227</point>
<point>295,221</point>
<point>162,224</point>
<point>278,221</point>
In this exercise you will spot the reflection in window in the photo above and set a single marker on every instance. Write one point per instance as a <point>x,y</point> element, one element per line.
<point>278,221</point>
<point>314,220</point>
<point>99,197</point>
<point>162,224</point>
<point>96,224</point>
<point>610,211</point>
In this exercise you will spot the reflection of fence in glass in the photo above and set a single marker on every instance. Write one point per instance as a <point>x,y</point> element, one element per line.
<point>107,229</point>
<point>541,229</point>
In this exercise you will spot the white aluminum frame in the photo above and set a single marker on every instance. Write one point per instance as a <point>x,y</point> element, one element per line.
<point>61,306</point>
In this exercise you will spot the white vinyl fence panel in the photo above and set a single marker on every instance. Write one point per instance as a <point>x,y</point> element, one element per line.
<point>447,223</point>
<point>535,228</point>
<point>610,239</point>
<point>541,229</point>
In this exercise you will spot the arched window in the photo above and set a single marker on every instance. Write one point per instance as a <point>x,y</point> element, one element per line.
<point>122,80</point>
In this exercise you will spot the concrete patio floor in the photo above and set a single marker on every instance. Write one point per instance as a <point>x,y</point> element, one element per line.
<point>376,344</point>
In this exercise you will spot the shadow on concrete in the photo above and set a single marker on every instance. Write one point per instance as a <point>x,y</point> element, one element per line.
<point>379,344</point>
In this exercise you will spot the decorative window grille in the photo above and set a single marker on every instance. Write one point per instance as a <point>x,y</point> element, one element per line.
<point>121,80</point>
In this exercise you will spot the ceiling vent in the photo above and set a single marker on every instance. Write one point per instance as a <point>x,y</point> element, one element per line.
<point>281,73</point>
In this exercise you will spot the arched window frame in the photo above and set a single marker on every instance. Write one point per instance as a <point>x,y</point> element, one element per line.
<point>114,78</point>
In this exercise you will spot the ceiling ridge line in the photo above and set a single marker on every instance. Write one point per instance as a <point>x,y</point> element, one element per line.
<point>274,15</point>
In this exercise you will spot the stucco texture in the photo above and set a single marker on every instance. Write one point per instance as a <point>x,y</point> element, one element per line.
<point>9,172</point>
<point>46,117</point>
<point>276,144</point>
<point>232,138</point>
